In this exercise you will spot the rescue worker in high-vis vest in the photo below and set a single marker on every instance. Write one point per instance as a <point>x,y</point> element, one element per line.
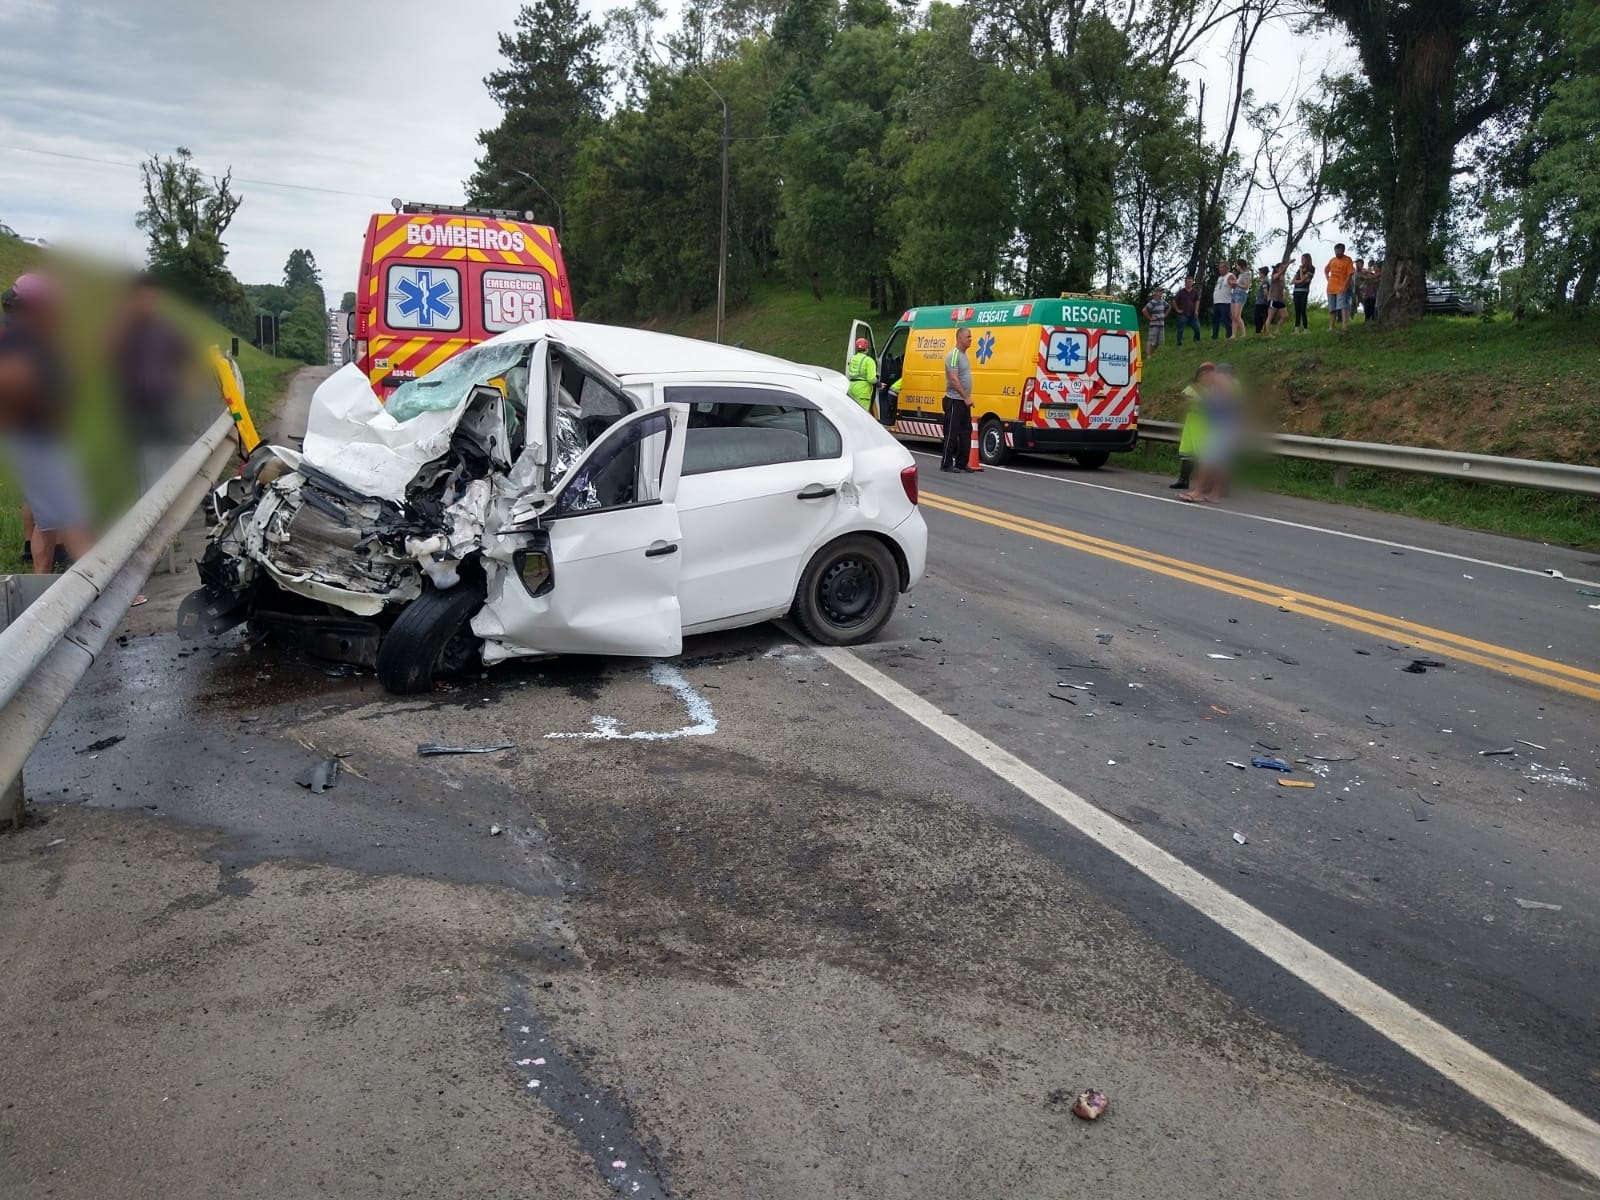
<point>863,374</point>
<point>1194,428</point>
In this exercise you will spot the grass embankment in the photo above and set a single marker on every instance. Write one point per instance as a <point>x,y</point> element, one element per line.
<point>1456,383</point>
<point>108,467</point>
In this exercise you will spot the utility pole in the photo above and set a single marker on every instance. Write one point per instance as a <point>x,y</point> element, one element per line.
<point>722,240</point>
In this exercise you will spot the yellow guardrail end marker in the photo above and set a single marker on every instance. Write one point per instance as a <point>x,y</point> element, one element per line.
<point>232,385</point>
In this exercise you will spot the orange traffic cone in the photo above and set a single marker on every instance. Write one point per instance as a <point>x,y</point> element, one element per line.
<point>973,462</point>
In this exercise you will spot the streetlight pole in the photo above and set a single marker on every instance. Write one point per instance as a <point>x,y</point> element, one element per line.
<point>561,220</point>
<point>722,240</point>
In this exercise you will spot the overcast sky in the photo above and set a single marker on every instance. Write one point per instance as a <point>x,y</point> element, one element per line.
<point>354,101</point>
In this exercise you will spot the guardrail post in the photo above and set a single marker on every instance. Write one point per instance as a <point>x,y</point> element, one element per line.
<point>1341,476</point>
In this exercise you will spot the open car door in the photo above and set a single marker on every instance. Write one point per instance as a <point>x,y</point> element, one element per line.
<point>593,568</point>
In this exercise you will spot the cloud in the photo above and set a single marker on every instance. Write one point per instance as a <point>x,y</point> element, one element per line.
<point>374,99</point>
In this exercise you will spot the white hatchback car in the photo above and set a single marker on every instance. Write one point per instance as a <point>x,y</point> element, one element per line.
<point>566,488</point>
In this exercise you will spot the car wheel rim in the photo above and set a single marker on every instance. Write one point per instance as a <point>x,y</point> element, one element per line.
<point>848,592</point>
<point>991,442</point>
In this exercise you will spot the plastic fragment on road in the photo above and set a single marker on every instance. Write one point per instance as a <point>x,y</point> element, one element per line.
<point>1226,657</point>
<point>1296,783</point>
<point>1103,638</point>
<point>1269,763</point>
<point>104,743</point>
<point>1219,710</point>
<point>1240,765</point>
<point>1239,837</point>
<point>494,831</point>
<point>1535,745</point>
<point>1090,1105</point>
<point>1521,903</point>
<point>320,776</point>
<point>619,1164</point>
<point>433,749</point>
<point>1493,753</point>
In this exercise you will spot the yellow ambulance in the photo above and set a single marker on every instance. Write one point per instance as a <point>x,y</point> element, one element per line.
<point>1048,376</point>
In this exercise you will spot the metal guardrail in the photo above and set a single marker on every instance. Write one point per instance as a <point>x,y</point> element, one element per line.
<point>1448,464</point>
<point>46,649</point>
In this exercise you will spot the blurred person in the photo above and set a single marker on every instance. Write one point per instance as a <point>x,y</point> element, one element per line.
<point>862,373</point>
<point>1369,291</point>
<point>151,364</point>
<point>1222,407</point>
<point>1194,425</point>
<point>1187,302</point>
<point>1156,310</point>
<point>1276,298</point>
<point>33,422</point>
<point>1222,302</point>
<point>1301,289</point>
<point>1263,300</point>
<point>1241,294</point>
<point>1340,274</point>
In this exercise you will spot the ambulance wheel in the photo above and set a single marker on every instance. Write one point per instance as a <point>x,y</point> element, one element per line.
<point>430,637</point>
<point>1091,460</point>
<point>847,592</point>
<point>992,448</point>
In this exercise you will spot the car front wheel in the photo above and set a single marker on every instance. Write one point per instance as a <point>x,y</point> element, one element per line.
<point>847,592</point>
<point>430,637</point>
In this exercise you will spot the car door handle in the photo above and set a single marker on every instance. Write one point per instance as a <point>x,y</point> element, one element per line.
<point>660,549</point>
<point>817,492</point>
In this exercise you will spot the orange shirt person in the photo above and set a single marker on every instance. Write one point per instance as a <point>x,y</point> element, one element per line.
<point>1339,271</point>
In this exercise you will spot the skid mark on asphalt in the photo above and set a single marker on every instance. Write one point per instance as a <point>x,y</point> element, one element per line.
<point>703,721</point>
<point>1558,1125</point>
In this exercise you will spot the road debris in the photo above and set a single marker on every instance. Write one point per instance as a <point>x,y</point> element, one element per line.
<point>1084,667</point>
<point>1103,638</point>
<point>1219,710</point>
<point>1521,903</point>
<point>1270,763</point>
<point>1240,765</point>
<point>929,638</point>
<point>1090,1105</point>
<point>104,743</point>
<point>319,777</point>
<point>55,842</point>
<point>1492,753</point>
<point>1239,837</point>
<point>1374,721</point>
<point>1225,657</point>
<point>1421,797</point>
<point>1077,687</point>
<point>433,749</point>
<point>1535,745</point>
<point>1296,783</point>
<point>1287,661</point>
<point>494,831</point>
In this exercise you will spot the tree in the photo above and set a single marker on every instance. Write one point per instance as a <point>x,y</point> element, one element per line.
<point>550,90</point>
<point>1434,73</point>
<point>1292,163</point>
<point>184,215</point>
<point>301,271</point>
<point>348,303</point>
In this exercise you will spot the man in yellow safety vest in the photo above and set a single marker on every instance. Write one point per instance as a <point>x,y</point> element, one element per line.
<point>863,374</point>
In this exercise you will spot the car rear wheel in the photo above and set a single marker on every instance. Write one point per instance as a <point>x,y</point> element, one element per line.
<point>847,592</point>
<point>992,448</point>
<point>1091,460</point>
<point>430,637</point>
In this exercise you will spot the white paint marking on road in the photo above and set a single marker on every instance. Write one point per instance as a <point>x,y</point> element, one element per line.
<point>1542,573</point>
<point>1558,1125</point>
<point>703,720</point>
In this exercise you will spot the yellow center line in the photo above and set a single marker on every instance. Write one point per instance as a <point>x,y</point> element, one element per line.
<point>1572,680</point>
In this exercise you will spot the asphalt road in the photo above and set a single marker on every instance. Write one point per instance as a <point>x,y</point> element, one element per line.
<point>798,944</point>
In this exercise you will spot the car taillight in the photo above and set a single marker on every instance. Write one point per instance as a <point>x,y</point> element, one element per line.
<point>1028,391</point>
<point>908,480</point>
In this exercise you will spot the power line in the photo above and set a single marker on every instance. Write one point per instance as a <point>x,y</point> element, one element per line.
<point>112,162</point>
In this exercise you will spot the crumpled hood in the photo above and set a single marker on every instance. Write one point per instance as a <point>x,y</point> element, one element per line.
<point>351,437</point>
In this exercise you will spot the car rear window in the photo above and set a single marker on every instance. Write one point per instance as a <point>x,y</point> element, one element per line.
<point>731,428</point>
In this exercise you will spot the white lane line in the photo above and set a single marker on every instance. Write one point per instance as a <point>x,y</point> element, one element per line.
<point>1565,1130</point>
<point>1248,516</point>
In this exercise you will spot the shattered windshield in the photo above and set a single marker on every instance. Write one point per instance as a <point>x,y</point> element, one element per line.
<point>448,384</point>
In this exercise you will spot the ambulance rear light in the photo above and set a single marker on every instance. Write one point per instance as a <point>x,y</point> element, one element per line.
<point>361,349</point>
<point>908,480</point>
<point>1030,392</point>
<point>413,208</point>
